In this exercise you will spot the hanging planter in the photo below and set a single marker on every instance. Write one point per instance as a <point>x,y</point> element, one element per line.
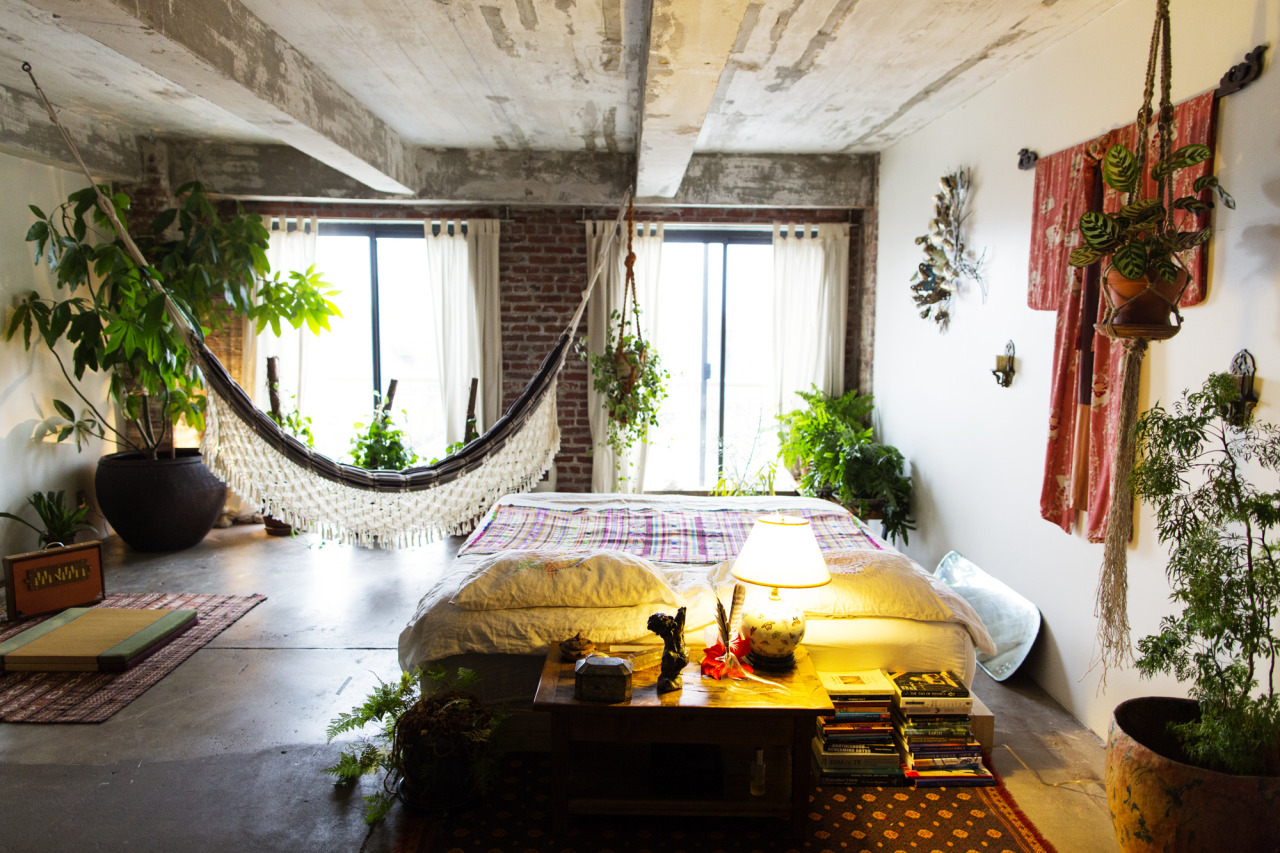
<point>1142,245</point>
<point>628,374</point>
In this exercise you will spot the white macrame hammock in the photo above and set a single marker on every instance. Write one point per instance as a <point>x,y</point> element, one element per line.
<point>384,509</point>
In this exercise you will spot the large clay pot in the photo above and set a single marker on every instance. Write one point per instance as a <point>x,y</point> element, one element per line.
<point>1143,304</point>
<point>1160,803</point>
<point>163,504</point>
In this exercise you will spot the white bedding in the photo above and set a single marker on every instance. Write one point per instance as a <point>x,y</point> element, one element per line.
<point>439,629</point>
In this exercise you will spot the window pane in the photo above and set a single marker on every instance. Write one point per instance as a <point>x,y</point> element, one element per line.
<point>338,381</point>
<point>751,430</point>
<point>677,452</point>
<point>408,346</point>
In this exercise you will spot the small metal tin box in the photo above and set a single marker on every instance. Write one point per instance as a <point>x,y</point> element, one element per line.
<point>601,679</point>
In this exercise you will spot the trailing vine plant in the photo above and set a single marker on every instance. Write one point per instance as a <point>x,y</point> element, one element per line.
<point>947,260</point>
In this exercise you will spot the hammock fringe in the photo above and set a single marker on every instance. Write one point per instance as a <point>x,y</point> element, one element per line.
<point>348,514</point>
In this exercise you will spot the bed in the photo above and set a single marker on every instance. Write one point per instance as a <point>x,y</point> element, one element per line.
<point>541,567</point>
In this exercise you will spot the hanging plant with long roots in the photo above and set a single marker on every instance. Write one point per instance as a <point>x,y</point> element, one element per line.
<point>628,374</point>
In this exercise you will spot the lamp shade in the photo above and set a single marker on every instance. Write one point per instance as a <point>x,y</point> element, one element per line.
<point>781,551</point>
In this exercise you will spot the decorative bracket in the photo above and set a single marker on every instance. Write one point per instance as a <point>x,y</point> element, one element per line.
<point>1027,159</point>
<point>1243,74</point>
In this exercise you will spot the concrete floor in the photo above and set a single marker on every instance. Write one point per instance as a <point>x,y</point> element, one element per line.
<point>226,752</point>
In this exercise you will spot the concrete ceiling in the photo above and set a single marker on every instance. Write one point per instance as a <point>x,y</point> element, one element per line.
<point>756,102</point>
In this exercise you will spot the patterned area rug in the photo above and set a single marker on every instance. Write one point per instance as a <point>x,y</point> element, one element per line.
<point>516,818</point>
<point>91,697</point>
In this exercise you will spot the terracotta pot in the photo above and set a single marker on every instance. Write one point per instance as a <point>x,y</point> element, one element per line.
<point>159,504</point>
<point>1142,303</point>
<point>1160,803</point>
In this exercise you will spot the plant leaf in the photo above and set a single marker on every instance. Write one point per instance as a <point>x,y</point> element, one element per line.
<point>1120,169</point>
<point>1098,229</point>
<point>1083,256</point>
<point>1130,260</point>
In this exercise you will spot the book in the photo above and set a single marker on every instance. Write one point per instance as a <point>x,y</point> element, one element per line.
<point>854,761</point>
<point>960,777</point>
<point>934,685</point>
<point>911,706</point>
<point>860,684</point>
<point>888,779</point>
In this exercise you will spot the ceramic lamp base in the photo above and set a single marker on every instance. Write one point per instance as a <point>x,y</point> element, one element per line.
<point>774,628</point>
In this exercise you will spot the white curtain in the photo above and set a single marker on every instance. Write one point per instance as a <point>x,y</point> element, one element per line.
<point>482,253</point>
<point>462,277</point>
<point>810,308</point>
<point>291,248</point>
<point>608,473</point>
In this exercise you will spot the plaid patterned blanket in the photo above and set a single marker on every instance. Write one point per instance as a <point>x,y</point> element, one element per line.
<point>669,536</point>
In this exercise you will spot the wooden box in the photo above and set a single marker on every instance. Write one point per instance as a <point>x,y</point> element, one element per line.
<point>601,679</point>
<point>53,579</point>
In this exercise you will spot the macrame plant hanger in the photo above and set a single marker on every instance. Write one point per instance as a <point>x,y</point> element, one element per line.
<point>1111,606</point>
<point>629,293</point>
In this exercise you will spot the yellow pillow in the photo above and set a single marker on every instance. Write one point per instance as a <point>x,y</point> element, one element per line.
<point>512,579</point>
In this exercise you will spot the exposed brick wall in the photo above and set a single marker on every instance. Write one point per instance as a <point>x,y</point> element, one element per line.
<point>544,268</point>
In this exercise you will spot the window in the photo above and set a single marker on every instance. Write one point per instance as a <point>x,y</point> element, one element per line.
<point>384,334</point>
<point>715,332</point>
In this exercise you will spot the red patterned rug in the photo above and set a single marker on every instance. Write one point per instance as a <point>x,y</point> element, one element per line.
<point>516,818</point>
<point>91,697</point>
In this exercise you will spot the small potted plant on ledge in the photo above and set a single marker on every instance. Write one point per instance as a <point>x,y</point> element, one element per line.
<point>60,523</point>
<point>213,269</point>
<point>830,450</point>
<point>1204,773</point>
<point>434,748</point>
<point>381,445</point>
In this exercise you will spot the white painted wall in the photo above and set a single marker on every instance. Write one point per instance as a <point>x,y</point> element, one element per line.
<point>977,450</point>
<point>29,380</point>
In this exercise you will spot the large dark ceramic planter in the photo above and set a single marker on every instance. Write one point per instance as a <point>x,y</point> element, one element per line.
<point>163,504</point>
<point>1160,803</point>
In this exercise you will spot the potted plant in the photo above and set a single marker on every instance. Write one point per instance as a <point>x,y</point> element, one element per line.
<point>213,269</point>
<point>629,377</point>
<point>1204,772</point>
<point>381,445</point>
<point>831,452</point>
<point>60,522</point>
<point>434,745</point>
<point>1143,241</point>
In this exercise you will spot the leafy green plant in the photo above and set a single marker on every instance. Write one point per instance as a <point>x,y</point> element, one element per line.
<point>630,378</point>
<point>381,445</point>
<point>1148,234</point>
<point>1223,570</point>
<point>830,449</point>
<point>213,268</point>
<point>60,522</point>
<point>295,423</point>
<point>425,721</point>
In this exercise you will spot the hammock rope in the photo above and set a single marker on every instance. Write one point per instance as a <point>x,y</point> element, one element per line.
<point>265,465</point>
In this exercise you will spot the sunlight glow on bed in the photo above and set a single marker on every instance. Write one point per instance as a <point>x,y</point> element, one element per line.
<point>780,552</point>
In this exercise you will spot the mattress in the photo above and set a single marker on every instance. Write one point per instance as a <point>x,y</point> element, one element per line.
<point>507,643</point>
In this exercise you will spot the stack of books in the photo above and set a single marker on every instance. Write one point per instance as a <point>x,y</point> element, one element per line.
<point>931,717</point>
<point>855,746</point>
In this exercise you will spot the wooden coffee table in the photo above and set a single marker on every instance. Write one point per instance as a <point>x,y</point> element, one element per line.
<point>778,716</point>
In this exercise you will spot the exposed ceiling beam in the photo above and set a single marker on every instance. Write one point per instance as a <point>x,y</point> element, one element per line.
<point>780,180</point>
<point>226,55</point>
<point>25,131</point>
<point>469,176</point>
<point>689,46</point>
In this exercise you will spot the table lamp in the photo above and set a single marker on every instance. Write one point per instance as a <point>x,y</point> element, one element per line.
<point>780,552</point>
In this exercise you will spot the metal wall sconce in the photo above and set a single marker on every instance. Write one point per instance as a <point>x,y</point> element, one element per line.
<point>1004,367</point>
<point>1243,371</point>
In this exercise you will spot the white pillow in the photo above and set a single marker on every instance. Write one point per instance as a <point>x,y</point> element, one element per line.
<point>864,583</point>
<point>515,579</point>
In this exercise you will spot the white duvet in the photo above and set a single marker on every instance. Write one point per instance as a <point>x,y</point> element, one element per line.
<point>889,585</point>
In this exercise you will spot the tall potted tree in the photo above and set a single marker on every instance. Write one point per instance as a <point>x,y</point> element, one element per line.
<point>213,269</point>
<point>1204,773</point>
